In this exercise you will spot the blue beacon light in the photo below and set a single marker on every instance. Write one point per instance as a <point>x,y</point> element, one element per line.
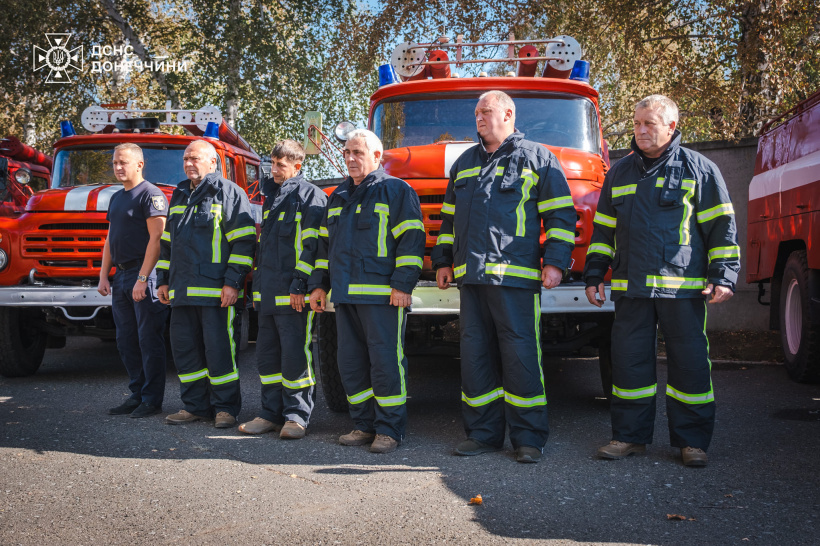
<point>212,130</point>
<point>67,129</point>
<point>387,75</point>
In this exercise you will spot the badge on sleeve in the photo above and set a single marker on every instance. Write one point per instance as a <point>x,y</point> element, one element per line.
<point>158,201</point>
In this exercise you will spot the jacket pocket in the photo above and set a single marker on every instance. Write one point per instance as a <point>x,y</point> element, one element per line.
<point>524,247</point>
<point>379,266</point>
<point>203,219</point>
<point>213,271</point>
<point>677,255</point>
<point>288,223</point>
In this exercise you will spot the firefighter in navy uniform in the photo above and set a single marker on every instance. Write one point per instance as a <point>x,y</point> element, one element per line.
<point>206,251</point>
<point>289,237</point>
<point>669,212</point>
<point>500,192</point>
<point>371,247</point>
<point>136,219</point>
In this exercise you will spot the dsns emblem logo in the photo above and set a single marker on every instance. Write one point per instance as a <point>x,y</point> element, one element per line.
<point>58,58</point>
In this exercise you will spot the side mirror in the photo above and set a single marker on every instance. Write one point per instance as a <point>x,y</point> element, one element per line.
<point>343,129</point>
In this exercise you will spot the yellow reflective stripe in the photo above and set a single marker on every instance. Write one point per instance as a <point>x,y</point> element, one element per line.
<point>634,394</point>
<point>604,220</point>
<point>257,296</point>
<point>281,300</point>
<point>381,208</point>
<point>483,399</point>
<point>540,400</point>
<point>323,232</point>
<point>226,378</point>
<point>308,354</point>
<point>409,260</point>
<point>407,224</point>
<point>240,232</point>
<point>460,270</point>
<point>704,398</point>
<point>222,379</point>
<point>448,208</point>
<point>512,271</point>
<point>467,172</point>
<point>369,289</point>
<point>685,235</point>
<point>281,216</point>
<point>265,216</point>
<point>445,239</point>
<point>530,179</point>
<point>271,379</point>
<point>299,383</point>
<point>216,208</point>
<point>171,294</point>
<point>216,243</point>
<point>561,235</point>
<point>163,264</point>
<point>624,190</point>
<point>499,171</point>
<point>360,397</point>
<point>335,211</point>
<point>179,209</point>
<point>718,252</point>
<point>321,264</point>
<point>193,376</point>
<point>659,281</point>
<point>297,243</point>
<point>537,316</point>
<point>239,259</point>
<point>601,248</point>
<point>309,233</point>
<point>381,242</point>
<point>556,203</point>
<point>659,182</point>
<point>619,284</point>
<point>166,236</point>
<point>305,268</point>
<point>209,292</point>
<point>714,212</point>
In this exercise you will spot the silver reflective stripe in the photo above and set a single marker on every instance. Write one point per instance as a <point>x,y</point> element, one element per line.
<point>77,199</point>
<point>105,195</point>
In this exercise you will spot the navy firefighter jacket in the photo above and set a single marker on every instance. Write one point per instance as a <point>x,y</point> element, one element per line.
<point>667,229</point>
<point>288,242</point>
<point>208,242</point>
<point>371,240</point>
<point>493,211</point>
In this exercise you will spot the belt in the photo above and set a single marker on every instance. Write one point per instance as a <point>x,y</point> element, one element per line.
<point>129,265</point>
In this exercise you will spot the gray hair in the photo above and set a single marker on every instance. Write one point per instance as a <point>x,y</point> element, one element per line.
<point>135,150</point>
<point>210,151</point>
<point>661,104</point>
<point>504,100</point>
<point>370,139</point>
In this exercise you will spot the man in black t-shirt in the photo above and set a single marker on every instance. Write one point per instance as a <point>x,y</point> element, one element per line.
<point>136,219</point>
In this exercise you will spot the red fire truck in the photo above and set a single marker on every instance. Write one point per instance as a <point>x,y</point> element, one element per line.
<point>784,233</point>
<point>23,171</point>
<point>426,121</point>
<point>51,253</point>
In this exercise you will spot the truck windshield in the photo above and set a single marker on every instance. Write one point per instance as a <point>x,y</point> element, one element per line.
<point>554,119</point>
<point>86,166</point>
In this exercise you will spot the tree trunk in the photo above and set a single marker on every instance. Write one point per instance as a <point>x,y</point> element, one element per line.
<point>234,58</point>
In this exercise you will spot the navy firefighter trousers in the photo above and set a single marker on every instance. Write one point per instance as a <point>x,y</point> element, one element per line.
<point>690,399</point>
<point>502,381</point>
<point>285,367</point>
<point>372,366</point>
<point>202,340</point>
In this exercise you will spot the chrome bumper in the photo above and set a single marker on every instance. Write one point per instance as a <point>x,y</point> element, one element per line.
<point>52,296</point>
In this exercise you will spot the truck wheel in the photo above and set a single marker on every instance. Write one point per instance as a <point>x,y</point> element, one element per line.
<point>332,389</point>
<point>799,334</point>
<point>22,344</point>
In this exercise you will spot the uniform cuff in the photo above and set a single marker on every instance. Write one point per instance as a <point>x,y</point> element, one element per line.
<point>298,286</point>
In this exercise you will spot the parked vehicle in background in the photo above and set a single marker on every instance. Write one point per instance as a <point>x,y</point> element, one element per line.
<point>53,250</point>
<point>783,235</point>
<point>23,172</point>
<point>426,120</point>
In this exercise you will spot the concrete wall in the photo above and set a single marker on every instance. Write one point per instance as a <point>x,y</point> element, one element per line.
<point>736,161</point>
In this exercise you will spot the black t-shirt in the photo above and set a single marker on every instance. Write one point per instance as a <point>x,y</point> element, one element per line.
<point>127,214</point>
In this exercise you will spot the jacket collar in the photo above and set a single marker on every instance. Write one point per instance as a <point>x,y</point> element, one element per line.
<point>278,193</point>
<point>670,151</point>
<point>509,143</point>
<point>344,189</point>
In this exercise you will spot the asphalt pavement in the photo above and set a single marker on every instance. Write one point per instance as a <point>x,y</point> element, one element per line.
<point>71,474</point>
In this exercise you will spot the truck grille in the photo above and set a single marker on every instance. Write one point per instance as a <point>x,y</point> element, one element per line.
<point>75,245</point>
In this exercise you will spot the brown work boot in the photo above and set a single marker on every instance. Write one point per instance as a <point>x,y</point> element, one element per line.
<point>694,456</point>
<point>259,426</point>
<point>224,420</point>
<point>182,417</point>
<point>384,444</point>
<point>619,450</point>
<point>357,438</point>
<point>292,431</point>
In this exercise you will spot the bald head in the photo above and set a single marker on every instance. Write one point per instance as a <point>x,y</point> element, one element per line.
<point>200,159</point>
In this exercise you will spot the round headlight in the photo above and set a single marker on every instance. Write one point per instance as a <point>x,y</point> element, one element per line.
<point>23,176</point>
<point>344,129</point>
<point>4,259</point>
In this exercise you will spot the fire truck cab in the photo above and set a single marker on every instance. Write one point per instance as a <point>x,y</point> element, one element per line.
<point>425,117</point>
<point>784,233</point>
<point>53,250</point>
<point>23,172</point>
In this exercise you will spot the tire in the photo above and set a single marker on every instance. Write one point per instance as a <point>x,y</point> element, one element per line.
<point>799,334</point>
<point>332,389</point>
<point>22,344</point>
